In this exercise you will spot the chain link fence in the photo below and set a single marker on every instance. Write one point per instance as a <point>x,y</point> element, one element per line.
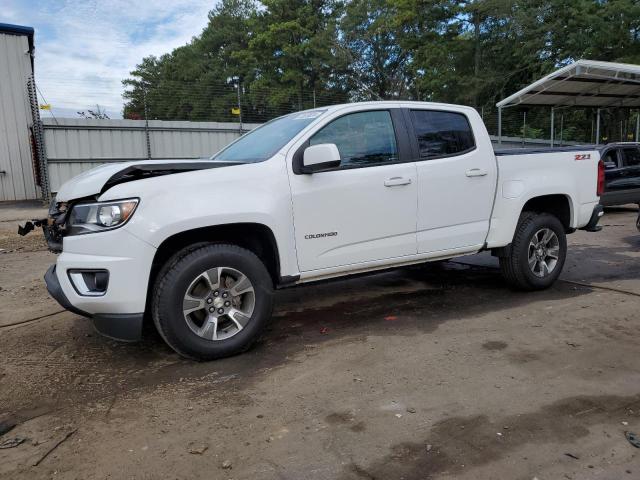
<point>233,102</point>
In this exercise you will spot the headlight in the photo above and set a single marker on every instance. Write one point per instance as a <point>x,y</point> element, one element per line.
<point>101,216</point>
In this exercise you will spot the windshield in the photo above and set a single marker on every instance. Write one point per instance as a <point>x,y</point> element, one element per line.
<point>263,142</point>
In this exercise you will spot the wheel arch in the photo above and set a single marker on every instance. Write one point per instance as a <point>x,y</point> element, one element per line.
<point>255,237</point>
<point>557,204</point>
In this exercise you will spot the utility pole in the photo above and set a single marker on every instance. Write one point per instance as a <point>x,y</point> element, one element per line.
<point>146,121</point>
<point>237,80</point>
<point>239,104</point>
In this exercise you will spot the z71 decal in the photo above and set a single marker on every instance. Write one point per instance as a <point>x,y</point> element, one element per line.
<point>583,156</point>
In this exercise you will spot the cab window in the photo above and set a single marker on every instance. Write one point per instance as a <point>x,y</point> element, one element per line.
<point>610,158</point>
<point>630,157</point>
<point>441,134</point>
<point>363,139</point>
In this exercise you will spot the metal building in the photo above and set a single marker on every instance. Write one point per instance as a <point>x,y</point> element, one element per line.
<point>19,164</point>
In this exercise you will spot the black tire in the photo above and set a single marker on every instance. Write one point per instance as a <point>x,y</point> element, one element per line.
<point>178,274</point>
<point>515,266</point>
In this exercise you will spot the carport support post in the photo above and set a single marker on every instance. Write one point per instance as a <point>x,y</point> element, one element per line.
<point>638,126</point>
<point>598,126</point>
<point>499,125</point>
<point>553,116</point>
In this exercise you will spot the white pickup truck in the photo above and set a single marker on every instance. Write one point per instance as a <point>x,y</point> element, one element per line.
<point>200,246</point>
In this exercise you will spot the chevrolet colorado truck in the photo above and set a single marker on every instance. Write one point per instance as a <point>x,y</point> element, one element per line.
<point>200,246</point>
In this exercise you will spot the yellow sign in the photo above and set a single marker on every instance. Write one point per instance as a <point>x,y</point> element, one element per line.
<point>235,111</point>
<point>45,106</point>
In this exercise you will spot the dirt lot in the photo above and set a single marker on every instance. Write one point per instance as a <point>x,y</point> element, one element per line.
<point>430,372</point>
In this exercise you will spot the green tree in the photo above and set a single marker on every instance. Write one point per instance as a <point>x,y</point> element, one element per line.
<point>296,53</point>
<point>293,54</point>
<point>377,61</point>
<point>193,81</point>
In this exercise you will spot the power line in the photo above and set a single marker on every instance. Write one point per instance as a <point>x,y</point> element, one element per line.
<point>46,103</point>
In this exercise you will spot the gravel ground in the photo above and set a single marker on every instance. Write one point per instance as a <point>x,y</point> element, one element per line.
<point>437,371</point>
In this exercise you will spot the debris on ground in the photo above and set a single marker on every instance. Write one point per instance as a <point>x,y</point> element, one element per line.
<point>633,439</point>
<point>57,444</point>
<point>226,464</point>
<point>571,455</point>
<point>324,331</point>
<point>391,318</point>
<point>6,425</point>
<point>411,410</point>
<point>12,442</point>
<point>198,449</point>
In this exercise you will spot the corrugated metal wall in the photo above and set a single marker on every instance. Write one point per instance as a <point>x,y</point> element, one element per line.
<point>16,161</point>
<point>75,145</point>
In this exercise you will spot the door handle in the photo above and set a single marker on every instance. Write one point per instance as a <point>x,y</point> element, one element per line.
<point>476,172</point>
<point>397,181</point>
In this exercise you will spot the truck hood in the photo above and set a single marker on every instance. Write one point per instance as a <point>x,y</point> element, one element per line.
<point>100,179</point>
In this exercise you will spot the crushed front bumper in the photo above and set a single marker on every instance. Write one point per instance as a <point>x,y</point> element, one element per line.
<point>122,327</point>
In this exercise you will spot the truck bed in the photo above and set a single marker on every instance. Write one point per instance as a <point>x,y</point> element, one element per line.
<point>526,151</point>
<point>568,174</point>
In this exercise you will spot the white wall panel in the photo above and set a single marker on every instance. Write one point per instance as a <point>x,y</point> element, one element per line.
<point>16,160</point>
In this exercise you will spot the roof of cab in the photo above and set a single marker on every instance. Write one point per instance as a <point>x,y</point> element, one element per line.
<point>389,103</point>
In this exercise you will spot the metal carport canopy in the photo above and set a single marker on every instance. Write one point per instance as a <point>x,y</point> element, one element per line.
<point>585,83</point>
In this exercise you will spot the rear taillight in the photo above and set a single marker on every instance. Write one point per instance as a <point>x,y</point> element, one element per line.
<point>600,178</point>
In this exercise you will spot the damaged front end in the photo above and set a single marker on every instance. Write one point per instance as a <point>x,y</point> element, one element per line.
<point>86,188</point>
<point>54,226</point>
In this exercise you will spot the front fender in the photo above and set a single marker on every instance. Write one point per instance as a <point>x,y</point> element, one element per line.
<point>249,193</point>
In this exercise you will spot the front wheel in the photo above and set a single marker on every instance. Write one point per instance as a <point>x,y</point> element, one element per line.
<point>537,253</point>
<point>212,301</point>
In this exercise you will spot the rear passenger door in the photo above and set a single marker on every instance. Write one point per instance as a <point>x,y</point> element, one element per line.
<point>456,180</point>
<point>614,174</point>
<point>631,171</point>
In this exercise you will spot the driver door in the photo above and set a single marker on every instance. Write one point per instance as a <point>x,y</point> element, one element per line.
<point>363,210</point>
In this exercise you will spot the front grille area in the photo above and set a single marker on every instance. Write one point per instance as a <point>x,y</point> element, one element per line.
<point>55,226</point>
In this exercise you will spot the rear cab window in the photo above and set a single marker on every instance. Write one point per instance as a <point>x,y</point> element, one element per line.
<point>441,134</point>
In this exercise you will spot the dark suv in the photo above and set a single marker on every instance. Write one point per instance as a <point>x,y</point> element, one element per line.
<point>622,173</point>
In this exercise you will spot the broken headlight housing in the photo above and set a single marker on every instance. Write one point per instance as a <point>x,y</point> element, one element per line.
<point>100,216</point>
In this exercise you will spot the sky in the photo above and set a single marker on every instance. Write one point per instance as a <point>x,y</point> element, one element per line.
<point>85,48</point>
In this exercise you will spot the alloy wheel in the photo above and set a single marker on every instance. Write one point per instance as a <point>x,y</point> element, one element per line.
<point>219,303</point>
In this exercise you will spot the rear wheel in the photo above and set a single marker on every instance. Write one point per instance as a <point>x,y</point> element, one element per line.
<point>213,301</point>
<point>537,253</point>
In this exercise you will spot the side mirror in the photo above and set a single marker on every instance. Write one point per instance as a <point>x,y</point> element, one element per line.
<point>320,157</point>
<point>610,165</point>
